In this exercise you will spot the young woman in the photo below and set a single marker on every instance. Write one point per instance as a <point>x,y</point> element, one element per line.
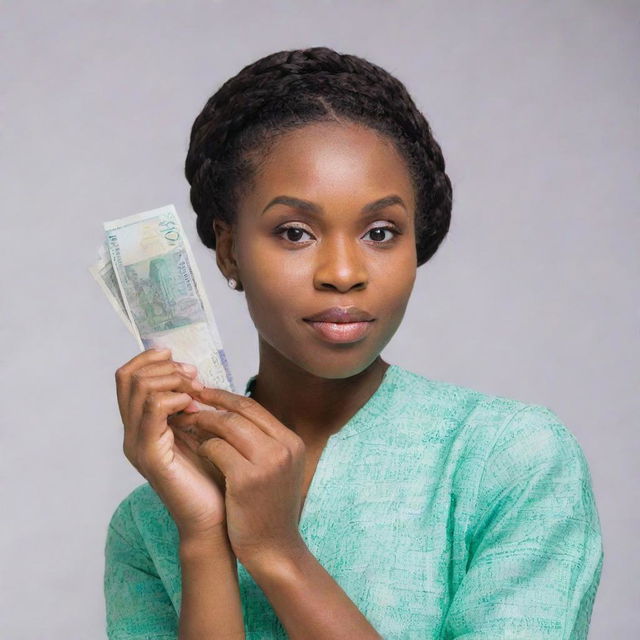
<point>341,497</point>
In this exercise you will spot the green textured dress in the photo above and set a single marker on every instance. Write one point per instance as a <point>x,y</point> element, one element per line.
<point>443,512</point>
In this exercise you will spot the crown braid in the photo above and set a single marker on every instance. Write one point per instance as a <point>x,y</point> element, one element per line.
<point>289,89</point>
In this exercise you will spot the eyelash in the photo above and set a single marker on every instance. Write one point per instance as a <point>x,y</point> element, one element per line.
<point>281,229</point>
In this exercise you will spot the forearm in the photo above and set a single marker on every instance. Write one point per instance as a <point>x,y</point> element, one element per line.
<point>310,604</point>
<point>211,606</point>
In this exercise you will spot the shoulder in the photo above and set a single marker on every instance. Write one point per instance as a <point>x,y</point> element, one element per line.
<point>532,439</point>
<point>537,471</point>
<point>461,412</point>
<point>503,438</point>
<point>535,495</point>
<point>414,390</point>
<point>138,514</point>
<point>535,448</point>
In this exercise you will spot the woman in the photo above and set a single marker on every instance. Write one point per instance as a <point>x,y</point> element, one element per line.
<point>343,497</point>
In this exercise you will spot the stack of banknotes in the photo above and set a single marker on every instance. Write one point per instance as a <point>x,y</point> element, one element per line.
<point>147,271</point>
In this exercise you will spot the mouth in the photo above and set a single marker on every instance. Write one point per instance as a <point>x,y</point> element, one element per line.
<point>341,315</point>
<point>341,332</point>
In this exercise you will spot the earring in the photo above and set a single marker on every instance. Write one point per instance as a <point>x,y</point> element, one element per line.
<point>232,283</point>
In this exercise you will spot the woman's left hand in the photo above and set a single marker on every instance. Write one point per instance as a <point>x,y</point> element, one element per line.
<point>263,463</point>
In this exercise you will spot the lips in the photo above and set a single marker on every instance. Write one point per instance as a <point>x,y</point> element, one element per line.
<point>341,315</point>
<point>341,324</point>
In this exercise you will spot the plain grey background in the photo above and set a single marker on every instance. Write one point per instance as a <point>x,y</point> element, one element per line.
<point>533,295</point>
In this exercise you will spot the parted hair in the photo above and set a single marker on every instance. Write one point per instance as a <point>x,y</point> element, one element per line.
<point>287,90</point>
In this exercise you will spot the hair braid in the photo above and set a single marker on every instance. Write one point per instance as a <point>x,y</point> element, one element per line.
<point>290,89</point>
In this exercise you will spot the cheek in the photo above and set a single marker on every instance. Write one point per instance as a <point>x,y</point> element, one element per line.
<point>264,264</point>
<point>273,291</point>
<point>393,280</point>
<point>397,300</point>
<point>276,280</point>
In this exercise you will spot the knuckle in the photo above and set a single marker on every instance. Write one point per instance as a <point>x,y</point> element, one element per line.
<point>298,447</point>
<point>283,457</point>
<point>227,417</point>
<point>178,378</point>
<point>210,445</point>
<point>153,403</point>
<point>246,404</point>
<point>138,379</point>
<point>170,379</point>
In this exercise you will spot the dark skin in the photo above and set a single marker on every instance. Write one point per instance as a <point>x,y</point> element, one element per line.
<point>313,386</point>
<point>337,257</point>
<point>307,388</point>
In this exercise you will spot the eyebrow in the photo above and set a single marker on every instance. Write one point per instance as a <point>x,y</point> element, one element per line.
<point>387,201</point>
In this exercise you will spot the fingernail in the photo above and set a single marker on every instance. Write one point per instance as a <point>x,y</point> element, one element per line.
<point>192,408</point>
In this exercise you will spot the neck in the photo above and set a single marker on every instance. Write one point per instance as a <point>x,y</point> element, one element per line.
<point>311,406</point>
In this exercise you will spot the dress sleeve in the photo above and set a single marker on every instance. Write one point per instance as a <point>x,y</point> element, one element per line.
<point>138,606</point>
<point>535,550</point>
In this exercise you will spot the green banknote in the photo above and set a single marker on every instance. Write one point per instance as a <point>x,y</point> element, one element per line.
<point>147,271</point>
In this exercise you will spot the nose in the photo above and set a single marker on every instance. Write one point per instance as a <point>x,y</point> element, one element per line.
<point>340,265</point>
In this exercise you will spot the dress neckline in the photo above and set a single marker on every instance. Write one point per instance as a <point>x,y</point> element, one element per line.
<point>364,417</point>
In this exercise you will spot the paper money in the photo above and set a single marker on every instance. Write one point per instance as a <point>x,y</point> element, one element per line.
<point>148,273</point>
<point>104,275</point>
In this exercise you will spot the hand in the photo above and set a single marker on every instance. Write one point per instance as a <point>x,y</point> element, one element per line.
<point>149,388</point>
<point>263,463</point>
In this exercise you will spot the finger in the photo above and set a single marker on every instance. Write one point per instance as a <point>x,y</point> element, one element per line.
<point>225,457</point>
<point>242,434</point>
<point>193,407</point>
<point>124,372</point>
<point>153,425</point>
<point>143,385</point>
<point>197,434</point>
<point>191,440</point>
<point>188,445</point>
<point>250,409</point>
<point>165,368</point>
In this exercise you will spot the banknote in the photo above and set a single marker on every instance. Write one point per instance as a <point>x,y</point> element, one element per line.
<point>148,272</point>
<point>104,275</point>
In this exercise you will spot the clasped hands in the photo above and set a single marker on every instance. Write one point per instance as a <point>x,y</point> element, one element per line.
<point>263,464</point>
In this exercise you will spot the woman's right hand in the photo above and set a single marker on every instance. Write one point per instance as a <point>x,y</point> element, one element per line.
<point>150,387</point>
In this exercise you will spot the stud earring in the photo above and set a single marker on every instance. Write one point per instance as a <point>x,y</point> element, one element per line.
<point>232,283</point>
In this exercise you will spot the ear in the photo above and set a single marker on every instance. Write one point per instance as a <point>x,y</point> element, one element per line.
<point>225,251</point>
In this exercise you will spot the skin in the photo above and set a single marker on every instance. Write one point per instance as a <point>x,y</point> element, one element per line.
<point>311,385</point>
<point>307,388</point>
<point>267,447</point>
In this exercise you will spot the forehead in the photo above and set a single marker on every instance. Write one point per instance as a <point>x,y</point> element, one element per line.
<point>333,160</point>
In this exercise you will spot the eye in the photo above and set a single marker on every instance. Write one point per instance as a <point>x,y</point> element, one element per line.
<point>282,229</point>
<point>296,231</point>
<point>393,231</point>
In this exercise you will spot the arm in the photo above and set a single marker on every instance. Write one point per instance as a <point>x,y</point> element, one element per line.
<point>535,550</point>
<point>307,600</point>
<point>211,606</point>
<point>138,606</point>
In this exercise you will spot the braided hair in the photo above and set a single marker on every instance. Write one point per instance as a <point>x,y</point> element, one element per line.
<point>290,89</point>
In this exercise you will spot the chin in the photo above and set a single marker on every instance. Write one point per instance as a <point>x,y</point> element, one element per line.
<point>300,348</point>
<point>340,364</point>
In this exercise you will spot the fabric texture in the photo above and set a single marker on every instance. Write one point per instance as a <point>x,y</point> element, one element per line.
<point>443,512</point>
